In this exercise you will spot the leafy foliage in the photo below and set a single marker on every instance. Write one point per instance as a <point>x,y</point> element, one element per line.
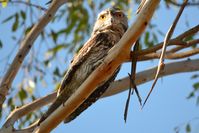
<point>195,92</point>
<point>66,33</point>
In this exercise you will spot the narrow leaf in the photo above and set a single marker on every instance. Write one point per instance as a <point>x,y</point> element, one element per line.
<point>22,94</point>
<point>16,23</point>
<point>188,128</point>
<point>192,94</point>
<point>8,18</point>
<point>23,15</point>
<point>57,48</point>
<point>196,86</point>
<point>1,44</point>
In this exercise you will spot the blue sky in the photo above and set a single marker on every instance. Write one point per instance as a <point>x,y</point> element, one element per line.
<point>166,108</point>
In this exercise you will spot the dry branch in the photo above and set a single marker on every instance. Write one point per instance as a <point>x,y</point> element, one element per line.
<point>188,44</point>
<point>180,4</point>
<point>24,110</point>
<point>169,55</point>
<point>176,41</point>
<point>162,56</point>
<point>114,58</point>
<point>28,3</point>
<point>25,48</point>
<point>148,75</point>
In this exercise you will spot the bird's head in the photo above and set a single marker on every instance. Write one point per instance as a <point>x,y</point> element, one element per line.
<point>111,19</point>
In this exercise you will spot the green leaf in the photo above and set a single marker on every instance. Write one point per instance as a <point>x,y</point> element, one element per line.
<point>188,128</point>
<point>46,62</point>
<point>22,94</point>
<point>10,102</point>
<point>147,40</point>
<point>8,18</point>
<point>188,38</point>
<point>1,44</point>
<point>16,23</point>
<point>23,15</point>
<point>28,29</point>
<point>192,94</point>
<point>196,86</point>
<point>194,76</point>
<point>56,72</point>
<point>57,48</point>
<point>54,36</point>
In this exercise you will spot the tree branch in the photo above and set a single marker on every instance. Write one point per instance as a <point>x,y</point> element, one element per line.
<point>179,4</point>
<point>25,48</point>
<point>188,44</point>
<point>176,41</point>
<point>170,55</point>
<point>148,75</point>
<point>29,4</point>
<point>24,110</point>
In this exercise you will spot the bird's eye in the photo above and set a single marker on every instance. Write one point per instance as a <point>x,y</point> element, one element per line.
<point>102,17</point>
<point>119,14</point>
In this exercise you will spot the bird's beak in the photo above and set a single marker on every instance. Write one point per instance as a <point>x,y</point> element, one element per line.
<point>110,21</point>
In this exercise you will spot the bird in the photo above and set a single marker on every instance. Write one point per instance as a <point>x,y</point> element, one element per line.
<point>108,29</point>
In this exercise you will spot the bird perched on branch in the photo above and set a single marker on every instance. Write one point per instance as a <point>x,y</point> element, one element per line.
<point>110,26</point>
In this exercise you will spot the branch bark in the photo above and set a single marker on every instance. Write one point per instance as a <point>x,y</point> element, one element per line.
<point>115,57</point>
<point>148,75</point>
<point>175,41</point>
<point>26,45</point>
<point>169,55</point>
<point>180,4</point>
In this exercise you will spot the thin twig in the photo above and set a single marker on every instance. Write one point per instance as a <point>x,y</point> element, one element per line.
<point>132,83</point>
<point>21,111</point>
<point>166,40</point>
<point>148,75</point>
<point>189,32</point>
<point>188,44</point>
<point>28,4</point>
<point>175,41</point>
<point>141,6</point>
<point>179,4</point>
<point>128,100</point>
<point>133,71</point>
<point>171,55</point>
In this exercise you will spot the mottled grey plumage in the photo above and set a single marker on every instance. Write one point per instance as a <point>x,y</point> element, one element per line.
<point>108,29</point>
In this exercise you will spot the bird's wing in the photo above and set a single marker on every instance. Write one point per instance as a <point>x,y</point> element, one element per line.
<point>81,57</point>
